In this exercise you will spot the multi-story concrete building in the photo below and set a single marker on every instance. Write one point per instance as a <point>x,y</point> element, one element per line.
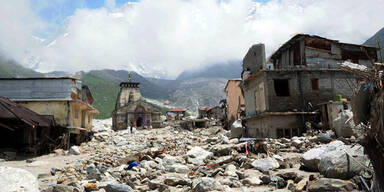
<point>283,93</point>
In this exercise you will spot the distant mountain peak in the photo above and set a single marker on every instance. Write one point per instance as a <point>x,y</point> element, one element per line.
<point>377,37</point>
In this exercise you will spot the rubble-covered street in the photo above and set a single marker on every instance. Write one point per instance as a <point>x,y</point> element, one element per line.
<point>173,159</point>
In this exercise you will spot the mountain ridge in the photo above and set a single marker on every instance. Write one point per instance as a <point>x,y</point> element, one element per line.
<point>378,37</point>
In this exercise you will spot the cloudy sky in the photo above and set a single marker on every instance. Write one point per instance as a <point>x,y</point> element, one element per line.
<point>165,37</point>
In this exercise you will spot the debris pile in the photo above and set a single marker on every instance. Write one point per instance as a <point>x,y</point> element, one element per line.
<point>174,159</point>
<point>368,113</point>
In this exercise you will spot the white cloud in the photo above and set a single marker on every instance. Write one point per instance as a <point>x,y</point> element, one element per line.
<point>17,24</point>
<point>169,36</point>
<point>110,4</point>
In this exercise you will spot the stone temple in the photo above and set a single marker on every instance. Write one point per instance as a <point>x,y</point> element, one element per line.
<point>130,109</point>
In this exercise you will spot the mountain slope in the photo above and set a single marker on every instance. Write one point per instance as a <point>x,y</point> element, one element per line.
<point>104,85</point>
<point>379,36</point>
<point>9,68</point>
<point>192,93</point>
<point>227,70</point>
<point>104,93</point>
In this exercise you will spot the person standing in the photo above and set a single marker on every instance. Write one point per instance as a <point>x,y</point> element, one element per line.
<point>131,126</point>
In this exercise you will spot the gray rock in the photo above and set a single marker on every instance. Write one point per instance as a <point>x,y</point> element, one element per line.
<point>324,138</point>
<point>157,184</point>
<point>234,141</point>
<point>118,188</point>
<point>311,158</point>
<point>62,188</point>
<point>148,164</point>
<point>313,139</point>
<point>222,150</point>
<point>74,150</point>
<point>296,143</point>
<point>253,181</point>
<point>175,180</point>
<point>230,170</point>
<point>265,164</point>
<point>15,179</point>
<point>224,140</point>
<point>172,164</point>
<point>178,168</point>
<point>224,159</point>
<point>338,164</point>
<point>207,184</point>
<point>93,172</point>
<point>212,139</point>
<point>197,155</point>
<point>324,185</point>
<point>119,141</point>
<point>169,160</point>
<point>266,179</point>
<point>288,175</point>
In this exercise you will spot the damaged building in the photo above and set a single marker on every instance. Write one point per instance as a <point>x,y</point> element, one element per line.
<point>65,99</point>
<point>131,110</point>
<point>283,93</point>
<point>235,104</point>
<point>26,131</point>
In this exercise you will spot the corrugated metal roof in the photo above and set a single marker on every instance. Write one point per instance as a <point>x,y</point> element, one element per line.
<point>38,88</point>
<point>176,110</point>
<point>35,78</point>
<point>9,110</point>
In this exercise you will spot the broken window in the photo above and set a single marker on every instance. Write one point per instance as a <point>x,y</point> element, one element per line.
<point>287,133</point>
<point>281,87</point>
<point>279,133</point>
<point>296,54</point>
<point>315,84</point>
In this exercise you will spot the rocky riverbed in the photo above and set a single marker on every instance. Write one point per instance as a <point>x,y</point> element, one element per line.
<point>172,159</point>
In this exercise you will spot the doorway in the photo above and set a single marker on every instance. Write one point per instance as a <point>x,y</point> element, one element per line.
<point>139,122</point>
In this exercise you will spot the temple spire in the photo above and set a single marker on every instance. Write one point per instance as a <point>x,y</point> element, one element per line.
<point>129,77</point>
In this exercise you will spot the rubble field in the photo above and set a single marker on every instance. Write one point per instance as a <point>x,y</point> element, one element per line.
<point>173,159</point>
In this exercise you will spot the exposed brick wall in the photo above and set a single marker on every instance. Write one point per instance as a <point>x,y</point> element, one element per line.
<point>331,83</point>
<point>268,125</point>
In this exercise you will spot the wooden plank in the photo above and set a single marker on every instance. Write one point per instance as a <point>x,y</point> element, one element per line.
<point>5,126</point>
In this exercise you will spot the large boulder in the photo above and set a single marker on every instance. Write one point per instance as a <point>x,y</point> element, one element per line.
<point>15,179</point>
<point>342,163</point>
<point>324,185</point>
<point>198,155</point>
<point>265,164</point>
<point>311,158</point>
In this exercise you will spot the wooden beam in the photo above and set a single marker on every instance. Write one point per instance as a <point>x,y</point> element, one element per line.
<point>5,126</point>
